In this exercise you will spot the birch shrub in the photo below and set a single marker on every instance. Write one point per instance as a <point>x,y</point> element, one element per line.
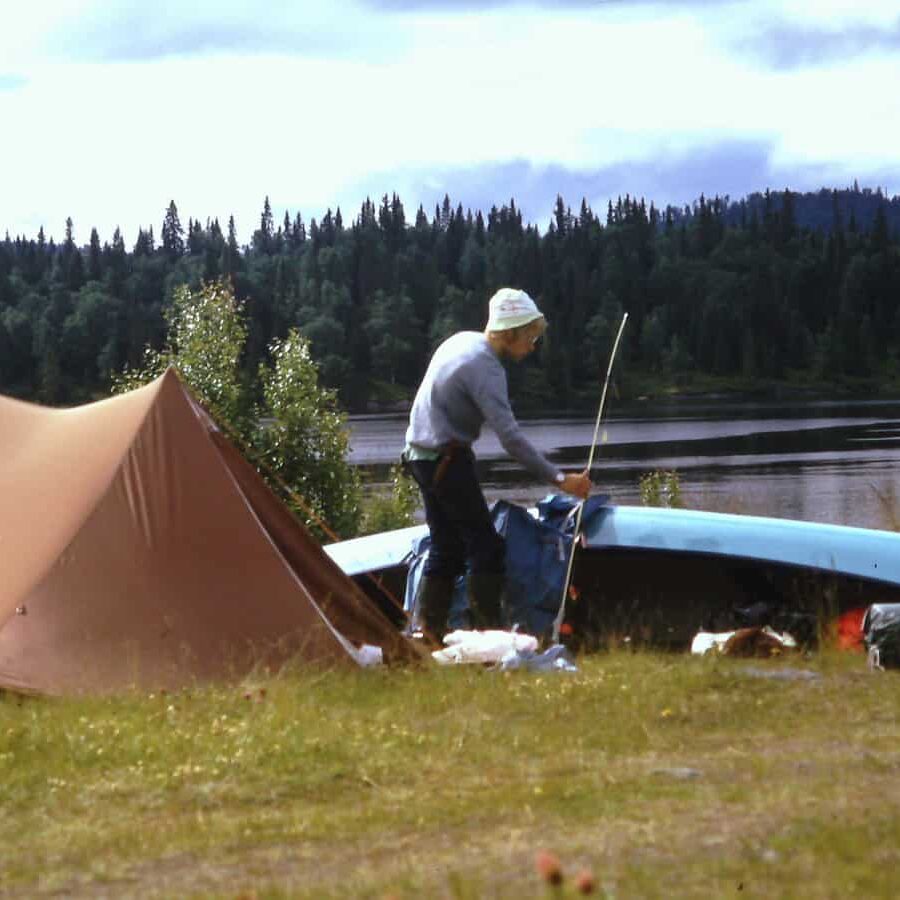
<point>307,443</point>
<point>661,488</point>
<point>394,508</point>
<point>206,335</point>
<point>296,436</point>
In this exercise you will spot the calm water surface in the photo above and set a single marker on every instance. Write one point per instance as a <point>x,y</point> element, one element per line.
<point>828,462</point>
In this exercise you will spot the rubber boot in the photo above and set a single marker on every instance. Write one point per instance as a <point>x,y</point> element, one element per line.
<point>487,596</point>
<point>433,604</point>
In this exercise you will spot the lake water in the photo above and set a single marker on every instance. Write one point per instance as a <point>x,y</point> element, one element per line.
<point>821,461</point>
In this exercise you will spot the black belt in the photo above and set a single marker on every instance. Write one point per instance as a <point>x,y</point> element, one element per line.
<point>447,453</point>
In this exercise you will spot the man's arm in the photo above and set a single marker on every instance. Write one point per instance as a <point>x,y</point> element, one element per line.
<point>492,398</point>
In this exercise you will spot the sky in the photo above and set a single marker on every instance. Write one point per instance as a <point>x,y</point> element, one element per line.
<point>110,109</point>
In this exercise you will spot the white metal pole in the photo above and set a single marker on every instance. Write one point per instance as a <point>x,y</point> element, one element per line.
<point>557,622</point>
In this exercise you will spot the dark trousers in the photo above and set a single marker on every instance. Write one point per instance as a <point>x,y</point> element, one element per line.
<point>462,533</point>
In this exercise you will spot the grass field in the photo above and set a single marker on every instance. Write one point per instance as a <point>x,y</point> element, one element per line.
<point>663,775</point>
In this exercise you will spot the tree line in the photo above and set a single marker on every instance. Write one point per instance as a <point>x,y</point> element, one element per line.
<point>777,286</point>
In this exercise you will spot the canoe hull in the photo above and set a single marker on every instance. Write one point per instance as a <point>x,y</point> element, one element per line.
<point>658,576</point>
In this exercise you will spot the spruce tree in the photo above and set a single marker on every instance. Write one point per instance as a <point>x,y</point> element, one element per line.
<point>230,252</point>
<point>788,223</point>
<point>71,263</point>
<point>326,229</point>
<point>141,244</point>
<point>299,232</point>
<point>880,236</point>
<point>95,270</point>
<point>172,234</point>
<point>196,238</point>
<point>263,237</point>
<point>116,262</point>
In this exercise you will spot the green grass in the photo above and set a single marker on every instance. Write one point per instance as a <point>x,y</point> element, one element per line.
<point>665,775</point>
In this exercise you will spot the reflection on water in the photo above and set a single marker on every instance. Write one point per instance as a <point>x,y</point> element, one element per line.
<point>827,462</point>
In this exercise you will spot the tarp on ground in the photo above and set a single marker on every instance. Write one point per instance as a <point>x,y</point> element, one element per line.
<point>139,548</point>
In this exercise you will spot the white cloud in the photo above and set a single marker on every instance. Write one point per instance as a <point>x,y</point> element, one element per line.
<point>25,30</point>
<point>836,13</point>
<point>134,30</point>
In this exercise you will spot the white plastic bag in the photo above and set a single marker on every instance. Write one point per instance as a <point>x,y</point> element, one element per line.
<point>482,646</point>
<point>369,655</point>
<point>707,641</point>
<point>554,659</point>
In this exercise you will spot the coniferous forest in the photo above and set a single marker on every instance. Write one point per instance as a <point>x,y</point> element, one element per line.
<point>778,290</point>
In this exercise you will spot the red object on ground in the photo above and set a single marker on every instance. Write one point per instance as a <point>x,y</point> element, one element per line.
<point>566,628</point>
<point>849,629</point>
<point>584,882</point>
<point>548,867</point>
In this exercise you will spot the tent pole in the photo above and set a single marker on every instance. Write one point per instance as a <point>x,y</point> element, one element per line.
<point>557,622</point>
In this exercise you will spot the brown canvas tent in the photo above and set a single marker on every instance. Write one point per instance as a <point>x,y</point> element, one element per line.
<point>139,548</point>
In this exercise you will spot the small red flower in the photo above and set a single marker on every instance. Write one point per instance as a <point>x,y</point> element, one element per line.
<point>584,882</point>
<point>548,867</point>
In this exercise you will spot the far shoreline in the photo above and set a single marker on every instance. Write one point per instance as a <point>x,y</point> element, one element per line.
<point>662,394</point>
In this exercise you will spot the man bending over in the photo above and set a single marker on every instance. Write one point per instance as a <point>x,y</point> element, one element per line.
<point>464,387</point>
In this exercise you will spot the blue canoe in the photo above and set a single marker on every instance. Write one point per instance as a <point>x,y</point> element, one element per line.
<point>665,573</point>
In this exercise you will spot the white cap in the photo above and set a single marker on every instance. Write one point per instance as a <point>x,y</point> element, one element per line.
<point>510,308</point>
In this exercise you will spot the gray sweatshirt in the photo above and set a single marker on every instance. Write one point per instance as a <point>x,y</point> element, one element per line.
<point>464,387</point>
